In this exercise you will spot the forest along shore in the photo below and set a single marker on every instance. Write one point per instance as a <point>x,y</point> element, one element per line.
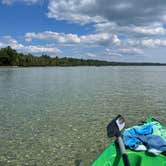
<point>10,57</point>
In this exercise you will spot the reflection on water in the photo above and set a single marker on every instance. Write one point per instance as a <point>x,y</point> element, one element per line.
<point>57,116</point>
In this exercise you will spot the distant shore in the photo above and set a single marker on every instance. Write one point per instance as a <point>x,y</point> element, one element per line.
<point>114,64</point>
<point>9,66</point>
<point>11,58</point>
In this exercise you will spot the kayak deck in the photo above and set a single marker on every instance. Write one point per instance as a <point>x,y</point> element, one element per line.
<point>112,157</point>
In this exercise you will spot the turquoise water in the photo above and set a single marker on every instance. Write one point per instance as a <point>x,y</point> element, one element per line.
<point>57,115</point>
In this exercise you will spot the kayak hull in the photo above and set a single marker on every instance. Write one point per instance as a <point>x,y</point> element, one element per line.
<point>111,156</point>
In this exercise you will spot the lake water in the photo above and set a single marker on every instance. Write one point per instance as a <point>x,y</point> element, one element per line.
<point>57,115</point>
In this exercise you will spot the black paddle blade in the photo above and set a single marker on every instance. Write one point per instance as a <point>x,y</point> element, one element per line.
<point>115,126</point>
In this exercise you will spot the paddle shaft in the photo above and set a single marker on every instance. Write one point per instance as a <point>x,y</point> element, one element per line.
<point>114,128</point>
<point>123,151</point>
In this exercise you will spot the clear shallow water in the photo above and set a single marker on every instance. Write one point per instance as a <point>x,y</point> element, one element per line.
<point>57,116</point>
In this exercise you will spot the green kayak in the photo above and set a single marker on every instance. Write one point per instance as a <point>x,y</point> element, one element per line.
<point>111,156</point>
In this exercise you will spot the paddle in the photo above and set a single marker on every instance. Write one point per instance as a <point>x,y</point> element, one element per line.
<point>114,129</point>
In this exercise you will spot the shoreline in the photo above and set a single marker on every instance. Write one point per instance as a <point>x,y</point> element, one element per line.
<point>134,64</point>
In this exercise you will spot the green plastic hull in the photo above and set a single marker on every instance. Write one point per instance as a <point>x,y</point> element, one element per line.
<point>112,157</point>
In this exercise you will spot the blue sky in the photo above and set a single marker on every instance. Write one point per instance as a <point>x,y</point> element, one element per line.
<point>114,30</point>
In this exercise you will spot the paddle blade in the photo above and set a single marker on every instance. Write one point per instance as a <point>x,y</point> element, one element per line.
<point>115,126</point>
<point>120,122</point>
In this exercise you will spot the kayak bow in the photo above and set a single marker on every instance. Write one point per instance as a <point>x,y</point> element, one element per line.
<point>111,156</point>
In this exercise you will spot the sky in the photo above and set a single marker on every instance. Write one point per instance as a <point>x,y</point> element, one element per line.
<point>112,30</point>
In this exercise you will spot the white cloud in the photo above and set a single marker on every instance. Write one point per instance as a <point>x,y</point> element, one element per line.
<point>98,38</point>
<point>131,30</point>
<point>150,30</point>
<point>126,27</point>
<point>92,55</point>
<point>111,53</point>
<point>73,10</point>
<point>123,51</point>
<point>153,42</point>
<point>130,51</point>
<point>40,49</point>
<point>57,37</point>
<point>120,12</point>
<point>9,41</point>
<point>9,2</point>
<point>146,42</point>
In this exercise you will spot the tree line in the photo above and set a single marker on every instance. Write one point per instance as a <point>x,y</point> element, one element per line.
<point>10,57</point>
